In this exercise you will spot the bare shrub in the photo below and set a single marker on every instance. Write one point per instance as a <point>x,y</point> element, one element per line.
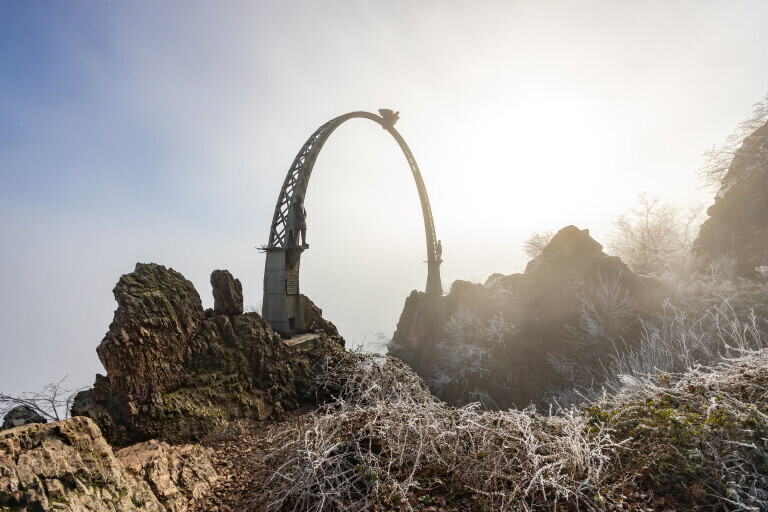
<point>253,308</point>
<point>607,313</point>
<point>677,342</point>
<point>52,403</point>
<point>388,444</point>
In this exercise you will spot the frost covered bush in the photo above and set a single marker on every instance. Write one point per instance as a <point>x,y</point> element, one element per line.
<point>467,353</point>
<point>718,159</point>
<point>693,441</point>
<point>606,311</point>
<point>676,342</point>
<point>383,442</point>
<point>701,436</point>
<point>703,323</point>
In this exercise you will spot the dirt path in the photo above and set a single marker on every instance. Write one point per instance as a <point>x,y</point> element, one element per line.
<point>239,460</point>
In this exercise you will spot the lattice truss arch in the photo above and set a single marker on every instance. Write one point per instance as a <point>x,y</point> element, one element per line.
<point>297,180</point>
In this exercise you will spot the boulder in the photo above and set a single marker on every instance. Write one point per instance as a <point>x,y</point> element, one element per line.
<point>99,404</point>
<point>735,236</point>
<point>21,415</point>
<point>147,348</point>
<point>227,293</point>
<point>67,465</point>
<point>177,475</point>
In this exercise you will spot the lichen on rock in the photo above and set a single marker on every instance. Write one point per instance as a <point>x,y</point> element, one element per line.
<point>66,465</point>
<point>176,474</point>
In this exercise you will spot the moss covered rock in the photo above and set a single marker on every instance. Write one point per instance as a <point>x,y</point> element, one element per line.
<point>146,351</point>
<point>178,374</point>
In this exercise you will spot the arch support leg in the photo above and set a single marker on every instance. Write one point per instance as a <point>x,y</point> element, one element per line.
<point>434,284</point>
<point>281,305</point>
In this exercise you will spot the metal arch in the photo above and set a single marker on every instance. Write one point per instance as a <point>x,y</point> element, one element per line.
<point>297,180</point>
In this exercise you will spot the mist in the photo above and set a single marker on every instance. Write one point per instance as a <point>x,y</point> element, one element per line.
<point>162,133</point>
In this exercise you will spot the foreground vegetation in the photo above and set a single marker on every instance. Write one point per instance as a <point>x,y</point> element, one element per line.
<point>692,441</point>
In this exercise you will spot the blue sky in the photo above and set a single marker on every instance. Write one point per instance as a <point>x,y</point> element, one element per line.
<point>162,131</point>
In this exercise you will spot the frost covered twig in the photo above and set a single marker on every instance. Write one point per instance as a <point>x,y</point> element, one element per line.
<point>384,439</point>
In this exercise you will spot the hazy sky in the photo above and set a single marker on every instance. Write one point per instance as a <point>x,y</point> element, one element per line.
<point>162,131</point>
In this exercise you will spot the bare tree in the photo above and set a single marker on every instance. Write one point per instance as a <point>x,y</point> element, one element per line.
<point>537,242</point>
<point>653,234</point>
<point>718,159</point>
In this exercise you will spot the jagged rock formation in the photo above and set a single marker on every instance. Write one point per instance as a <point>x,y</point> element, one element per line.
<point>518,337</point>
<point>67,465</point>
<point>175,474</point>
<point>736,233</point>
<point>147,348</point>
<point>178,373</point>
<point>227,293</point>
<point>21,415</point>
<point>314,321</point>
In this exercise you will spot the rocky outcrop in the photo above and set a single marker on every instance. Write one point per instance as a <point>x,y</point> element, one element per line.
<point>419,329</point>
<point>99,404</point>
<point>177,475</point>
<point>227,293</point>
<point>314,321</point>
<point>21,415</point>
<point>225,367</point>
<point>66,465</point>
<point>147,348</point>
<point>735,236</point>
<point>504,339</point>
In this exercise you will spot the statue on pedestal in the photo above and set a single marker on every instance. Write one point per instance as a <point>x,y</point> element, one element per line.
<point>299,225</point>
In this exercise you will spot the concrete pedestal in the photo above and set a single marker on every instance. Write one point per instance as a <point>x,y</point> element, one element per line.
<point>281,306</point>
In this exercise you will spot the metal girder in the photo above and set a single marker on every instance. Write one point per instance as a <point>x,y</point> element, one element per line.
<point>295,185</point>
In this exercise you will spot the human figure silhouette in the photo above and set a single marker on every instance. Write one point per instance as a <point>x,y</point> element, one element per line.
<point>299,230</point>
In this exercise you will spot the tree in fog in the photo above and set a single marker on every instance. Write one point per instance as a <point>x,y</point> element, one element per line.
<point>537,242</point>
<point>654,236</point>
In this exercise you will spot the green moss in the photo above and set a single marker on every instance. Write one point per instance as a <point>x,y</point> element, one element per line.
<point>675,438</point>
